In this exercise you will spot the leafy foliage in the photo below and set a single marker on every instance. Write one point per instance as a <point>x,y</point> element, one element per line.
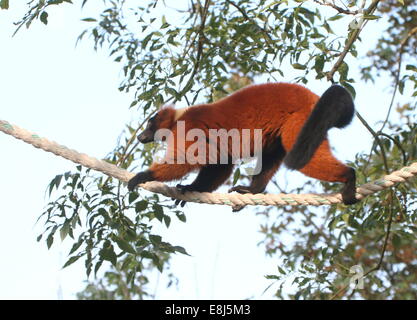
<point>201,50</point>
<point>398,43</point>
<point>115,226</point>
<point>325,244</point>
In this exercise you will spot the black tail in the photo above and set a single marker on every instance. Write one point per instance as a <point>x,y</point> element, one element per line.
<point>335,108</point>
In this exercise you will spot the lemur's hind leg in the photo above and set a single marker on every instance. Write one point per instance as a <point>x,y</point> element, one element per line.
<point>323,165</point>
<point>267,165</point>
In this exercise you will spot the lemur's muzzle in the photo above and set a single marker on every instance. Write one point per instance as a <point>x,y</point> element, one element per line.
<point>146,136</point>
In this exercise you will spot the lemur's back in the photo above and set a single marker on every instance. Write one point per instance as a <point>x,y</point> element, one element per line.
<point>263,106</point>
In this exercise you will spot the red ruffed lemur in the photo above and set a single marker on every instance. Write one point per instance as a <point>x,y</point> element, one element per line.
<point>294,123</point>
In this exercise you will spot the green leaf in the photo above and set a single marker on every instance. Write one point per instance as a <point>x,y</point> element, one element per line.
<point>319,63</point>
<point>141,205</point>
<point>167,220</point>
<point>133,196</point>
<point>108,254</point>
<point>159,212</point>
<point>4,4</point>
<point>343,71</point>
<point>126,264</point>
<point>411,67</point>
<point>50,240</point>
<point>76,245</point>
<point>401,84</point>
<point>349,87</point>
<point>71,261</point>
<point>130,235</point>
<point>146,40</point>
<point>396,240</point>
<point>298,66</point>
<point>181,217</point>
<point>124,245</point>
<point>165,25</point>
<point>97,267</point>
<point>155,239</point>
<point>89,20</point>
<point>146,254</point>
<point>345,218</point>
<point>44,17</point>
<point>172,92</point>
<point>336,17</point>
<point>236,176</point>
<point>58,179</point>
<point>64,230</point>
<point>180,250</point>
<point>371,17</point>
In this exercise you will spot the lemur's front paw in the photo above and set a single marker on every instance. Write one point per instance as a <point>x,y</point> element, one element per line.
<point>141,177</point>
<point>240,189</point>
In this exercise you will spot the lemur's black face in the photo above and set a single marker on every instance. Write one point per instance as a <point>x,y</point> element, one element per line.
<point>148,135</point>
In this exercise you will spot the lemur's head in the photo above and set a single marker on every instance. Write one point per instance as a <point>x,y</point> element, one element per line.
<point>164,119</point>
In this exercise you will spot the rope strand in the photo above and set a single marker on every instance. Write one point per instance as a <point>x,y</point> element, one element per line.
<point>230,199</point>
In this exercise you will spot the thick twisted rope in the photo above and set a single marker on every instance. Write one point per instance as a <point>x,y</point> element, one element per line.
<point>230,199</point>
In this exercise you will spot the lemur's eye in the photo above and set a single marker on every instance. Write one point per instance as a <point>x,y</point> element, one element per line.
<point>152,121</point>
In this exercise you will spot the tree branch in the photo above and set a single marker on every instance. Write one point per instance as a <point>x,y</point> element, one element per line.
<point>403,43</point>
<point>349,43</point>
<point>377,140</point>
<point>245,15</point>
<point>339,9</point>
<point>200,33</point>
<point>383,250</point>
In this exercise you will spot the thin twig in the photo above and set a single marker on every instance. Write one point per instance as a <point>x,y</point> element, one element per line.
<point>126,153</point>
<point>397,143</point>
<point>265,32</point>
<point>349,43</point>
<point>200,46</point>
<point>378,141</point>
<point>339,9</point>
<point>196,66</point>
<point>397,78</point>
<point>383,250</point>
<point>403,43</point>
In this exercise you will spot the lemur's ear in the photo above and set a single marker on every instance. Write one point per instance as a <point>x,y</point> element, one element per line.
<point>179,113</point>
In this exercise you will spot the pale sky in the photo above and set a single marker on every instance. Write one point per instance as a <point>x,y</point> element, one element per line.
<point>69,94</point>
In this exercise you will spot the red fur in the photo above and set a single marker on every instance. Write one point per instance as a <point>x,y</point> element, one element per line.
<point>279,109</point>
<point>166,118</point>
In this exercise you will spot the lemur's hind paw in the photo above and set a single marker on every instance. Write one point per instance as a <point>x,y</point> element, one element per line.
<point>240,189</point>
<point>183,189</point>
<point>179,202</point>
<point>349,198</point>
